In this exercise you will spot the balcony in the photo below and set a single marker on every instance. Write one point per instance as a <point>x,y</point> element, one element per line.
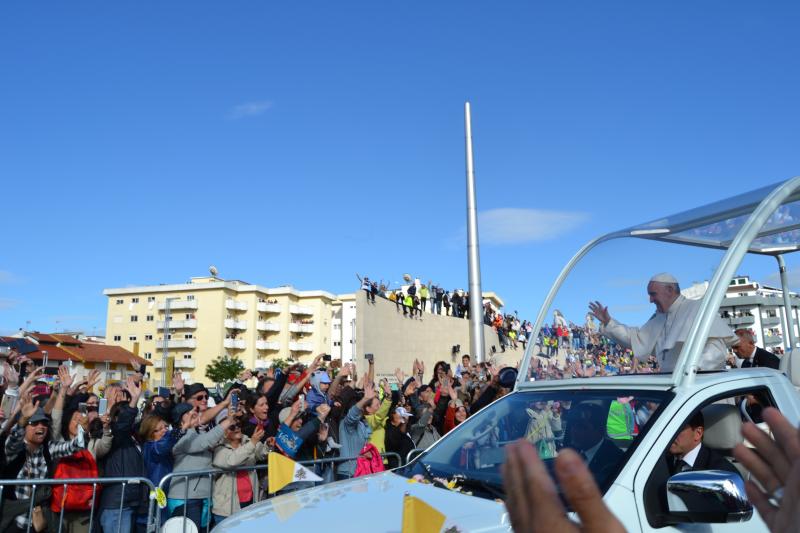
<point>235,324</point>
<point>301,328</point>
<point>235,344</point>
<point>178,324</point>
<point>179,343</point>
<point>262,364</point>
<point>268,345</point>
<point>267,326</point>
<point>264,307</point>
<point>178,304</point>
<point>301,347</point>
<point>772,340</point>
<point>184,363</point>
<point>301,310</point>
<point>157,363</point>
<point>741,320</point>
<point>770,321</point>
<point>233,305</point>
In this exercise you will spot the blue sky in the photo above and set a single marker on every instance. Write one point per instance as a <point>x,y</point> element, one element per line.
<point>302,142</point>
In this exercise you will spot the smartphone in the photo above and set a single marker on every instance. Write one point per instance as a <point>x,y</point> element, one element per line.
<point>302,399</point>
<point>83,409</point>
<point>327,357</point>
<point>102,407</point>
<point>234,401</point>
<point>369,357</point>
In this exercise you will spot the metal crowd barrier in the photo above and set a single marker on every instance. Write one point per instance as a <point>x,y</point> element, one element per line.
<point>211,472</point>
<point>124,481</point>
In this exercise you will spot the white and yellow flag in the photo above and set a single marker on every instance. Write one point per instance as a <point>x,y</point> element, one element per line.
<point>283,471</point>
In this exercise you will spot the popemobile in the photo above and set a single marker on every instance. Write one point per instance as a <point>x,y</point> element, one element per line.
<point>629,423</point>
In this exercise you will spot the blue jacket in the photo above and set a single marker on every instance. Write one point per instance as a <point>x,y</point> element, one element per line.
<point>158,457</point>
<point>354,433</point>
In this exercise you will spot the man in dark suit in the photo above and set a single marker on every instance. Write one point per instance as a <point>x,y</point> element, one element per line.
<point>687,453</point>
<point>587,434</point>
<point>751,354</point>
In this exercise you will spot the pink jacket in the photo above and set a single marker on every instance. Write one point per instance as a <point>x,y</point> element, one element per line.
<point>369,461</point>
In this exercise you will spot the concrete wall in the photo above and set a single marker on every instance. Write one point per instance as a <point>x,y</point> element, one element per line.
<point>396,340</point>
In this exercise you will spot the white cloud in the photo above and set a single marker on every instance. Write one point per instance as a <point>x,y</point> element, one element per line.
<point>8,278</point>
<point>8,303</point>
<point>249,109</point>
<point>509,225</point>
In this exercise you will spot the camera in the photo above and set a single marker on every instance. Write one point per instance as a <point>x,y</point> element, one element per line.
<point>369,357</point>
<point>327,357</point>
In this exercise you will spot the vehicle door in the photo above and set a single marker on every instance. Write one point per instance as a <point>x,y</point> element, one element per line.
<point>723,407</point>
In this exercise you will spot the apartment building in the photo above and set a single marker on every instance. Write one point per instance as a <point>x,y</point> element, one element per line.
<point>209,317</point>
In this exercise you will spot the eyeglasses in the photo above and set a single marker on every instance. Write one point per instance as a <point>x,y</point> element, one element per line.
<point>44,423</point>
<point>200,397</point>
<point>233,427</point>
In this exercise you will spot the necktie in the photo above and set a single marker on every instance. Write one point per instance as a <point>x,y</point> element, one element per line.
<point>681,466</point>
<point>747,363</point>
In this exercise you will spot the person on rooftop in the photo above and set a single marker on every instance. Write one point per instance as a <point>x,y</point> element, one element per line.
<point>666,331</point>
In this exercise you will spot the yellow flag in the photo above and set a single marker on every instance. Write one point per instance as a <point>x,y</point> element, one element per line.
<point>281,471</point>
<point>419,517</point>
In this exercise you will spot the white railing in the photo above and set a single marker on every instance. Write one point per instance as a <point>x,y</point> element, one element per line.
<point>179,324</point>
<point>178,304</point>
<point>158,363</point>
<point>235,324</point>
<point>261,325</point>
<point>301,347</point>
<point>178,343</point>
<point>238,344</point>
<point>301,328</point>
<point>184,363</point>
<point>264,307</point>
<point>268,345</point>
<point>301,310</point>
<point>233,304</point>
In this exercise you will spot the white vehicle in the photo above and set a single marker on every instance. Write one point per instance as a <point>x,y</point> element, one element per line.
<point>630,465</point>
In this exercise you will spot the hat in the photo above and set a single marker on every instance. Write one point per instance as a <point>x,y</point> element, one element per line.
<point>193,389</point>
<point>507,377</point>
<point>284,415</point>
<point>402,412</point>
<point>39,416</point>
<point>664,277</point>
<point>178,411</point>
<point>323,376</point>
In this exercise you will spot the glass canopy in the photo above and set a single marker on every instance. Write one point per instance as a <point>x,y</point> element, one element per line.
<point>715,225</point>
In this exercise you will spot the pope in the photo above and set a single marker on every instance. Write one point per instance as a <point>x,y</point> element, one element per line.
<point>666,331</point>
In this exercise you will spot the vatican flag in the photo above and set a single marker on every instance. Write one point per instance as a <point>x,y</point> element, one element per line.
<point>419,517</point>
<point>282,471</point>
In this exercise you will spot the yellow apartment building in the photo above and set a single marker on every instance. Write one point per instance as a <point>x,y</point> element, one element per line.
<point>210,317</point>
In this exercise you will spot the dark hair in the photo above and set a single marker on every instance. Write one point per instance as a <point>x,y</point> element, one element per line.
<point>697,420</point>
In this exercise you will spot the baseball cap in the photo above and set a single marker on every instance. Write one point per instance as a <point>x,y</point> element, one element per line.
<point>178,411</point>
<point>193,389</point>
<point>402,412</point>
<point>39,416</point>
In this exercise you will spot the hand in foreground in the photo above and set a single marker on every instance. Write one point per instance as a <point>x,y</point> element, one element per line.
<point>600,312</point>
<point>533,503</point>
<point>776,466</point>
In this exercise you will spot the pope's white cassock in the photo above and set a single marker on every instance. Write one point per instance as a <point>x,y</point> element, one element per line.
<point>664,334</point>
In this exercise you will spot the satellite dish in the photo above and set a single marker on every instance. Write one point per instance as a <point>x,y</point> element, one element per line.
<point>213,270</point>
<point>407,277</point>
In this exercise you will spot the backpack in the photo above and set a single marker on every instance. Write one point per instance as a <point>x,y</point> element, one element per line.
<point>80,464</point>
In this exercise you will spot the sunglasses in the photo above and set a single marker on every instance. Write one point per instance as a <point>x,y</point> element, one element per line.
<point>91,408</point>
<point>233,427</point>
<point>201,397</point>
<point>44,423</point>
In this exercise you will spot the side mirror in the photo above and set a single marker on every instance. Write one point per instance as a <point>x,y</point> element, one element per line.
<point>707,496</point>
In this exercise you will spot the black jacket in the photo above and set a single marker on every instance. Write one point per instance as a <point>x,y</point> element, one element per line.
<point>762,358</point>
<point>605,461</point>
<point>708,459</point>
<point>398,442</point>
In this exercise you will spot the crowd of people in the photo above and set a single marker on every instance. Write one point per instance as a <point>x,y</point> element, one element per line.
<point>79,427</point>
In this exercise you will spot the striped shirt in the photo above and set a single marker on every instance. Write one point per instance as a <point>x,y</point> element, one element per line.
<point>35,466</point>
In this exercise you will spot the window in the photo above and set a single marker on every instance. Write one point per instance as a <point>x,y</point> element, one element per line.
<point>187,356</point>
<point>149,318</point>
<point>134,318</point>
<point>188,336</point>
<point>148,355</point>
<point>120,302</point>
<point>151,298</point>
<point>148,337</point>
<point>135,300</point>
<point>117,338</point>
<point>190,297</point>
<point>132,338</point>
<point>337,343</point>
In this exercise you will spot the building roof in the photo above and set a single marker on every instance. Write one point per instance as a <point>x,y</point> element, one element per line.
<point>64,347</point>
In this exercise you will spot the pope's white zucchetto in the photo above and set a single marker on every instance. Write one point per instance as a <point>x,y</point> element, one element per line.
<point>664,277</point>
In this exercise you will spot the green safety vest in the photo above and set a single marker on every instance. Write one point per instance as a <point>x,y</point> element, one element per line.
<point>620,421</point>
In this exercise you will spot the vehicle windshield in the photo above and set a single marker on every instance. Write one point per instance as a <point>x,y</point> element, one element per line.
<point>602,425</point>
